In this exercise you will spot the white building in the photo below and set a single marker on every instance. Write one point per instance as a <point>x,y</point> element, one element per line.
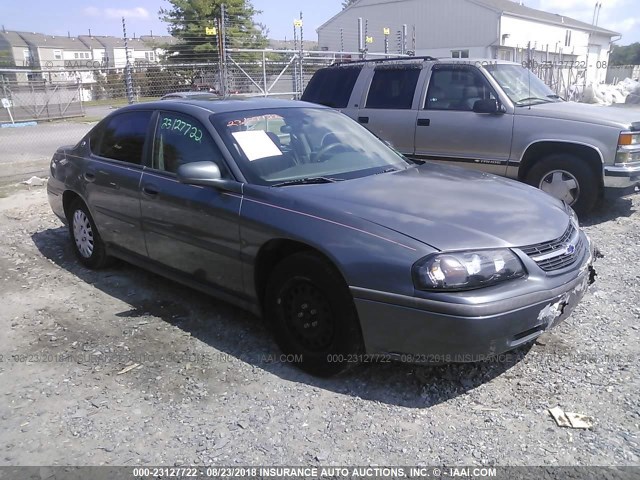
<point>471,28</point>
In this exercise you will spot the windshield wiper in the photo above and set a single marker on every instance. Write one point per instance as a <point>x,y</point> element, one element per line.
<point>387,170</point>
<point>307,181</point>
<point>531,99</point>
<point>415,161</point>
<point>553,95</point>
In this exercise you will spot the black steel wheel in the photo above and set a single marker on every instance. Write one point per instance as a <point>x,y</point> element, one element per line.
<point>313,315</point>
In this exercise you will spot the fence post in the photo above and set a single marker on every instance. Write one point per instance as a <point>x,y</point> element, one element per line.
<point>264,73</point>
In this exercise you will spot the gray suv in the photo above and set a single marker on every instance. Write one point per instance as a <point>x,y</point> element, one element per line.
<point>488,115</point>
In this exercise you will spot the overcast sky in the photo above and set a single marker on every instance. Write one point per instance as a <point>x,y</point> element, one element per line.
<point>103,18</point>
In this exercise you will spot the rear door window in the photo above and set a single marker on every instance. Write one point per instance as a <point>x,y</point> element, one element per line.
<point>122,137</point>
<point>393,88</point>
<point>332,86</point>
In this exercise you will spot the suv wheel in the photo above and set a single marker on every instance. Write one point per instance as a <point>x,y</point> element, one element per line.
<point>312,314</point>
<point>568,178</point>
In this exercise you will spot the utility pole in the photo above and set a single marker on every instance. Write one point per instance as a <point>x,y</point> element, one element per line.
<point>301,55</point>
<point>128,80</point>
<point>223,89</point>
<point>296,52</point>
<point>360,37</point>
<point>223,34</point>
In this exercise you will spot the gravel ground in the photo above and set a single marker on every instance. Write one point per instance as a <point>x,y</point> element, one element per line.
<point>209,386</point>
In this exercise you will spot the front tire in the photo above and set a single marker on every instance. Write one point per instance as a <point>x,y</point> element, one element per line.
<point>87,243</point>
<point>568,178</point>
<point>313,316</point>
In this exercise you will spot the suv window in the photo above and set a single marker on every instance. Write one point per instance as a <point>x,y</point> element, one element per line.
<point>393,88</point>
<point>331,86</point>
<point>455,88</point>
<point>181,139</point>
<point>122,137</point>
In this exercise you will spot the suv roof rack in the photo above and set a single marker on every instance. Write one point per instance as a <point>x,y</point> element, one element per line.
<point>376,60</point>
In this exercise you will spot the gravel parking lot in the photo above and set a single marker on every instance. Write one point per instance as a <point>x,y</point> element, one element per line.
<point>123,367</point>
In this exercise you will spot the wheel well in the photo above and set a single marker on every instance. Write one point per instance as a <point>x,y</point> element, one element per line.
<point>67,199</point>
<point>272,253</point>
<point>540,150</point>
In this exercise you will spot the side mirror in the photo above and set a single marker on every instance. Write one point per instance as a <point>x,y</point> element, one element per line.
<point>489,105</point>
<point>206,174</point>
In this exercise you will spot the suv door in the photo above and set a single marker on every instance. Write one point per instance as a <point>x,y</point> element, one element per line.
<point>112,178</point>
<point>448,129</point>
<point>190,228</point>
<point>389,107</point>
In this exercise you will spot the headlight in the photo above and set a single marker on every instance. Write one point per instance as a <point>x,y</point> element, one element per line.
<point>627,155</point>
<point>466,270</point>
<point>628,148</point>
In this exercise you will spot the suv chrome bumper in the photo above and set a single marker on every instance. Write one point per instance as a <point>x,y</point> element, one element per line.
<point>622,176</point>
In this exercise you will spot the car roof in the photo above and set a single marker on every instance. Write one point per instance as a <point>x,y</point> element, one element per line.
<point>222,105</point>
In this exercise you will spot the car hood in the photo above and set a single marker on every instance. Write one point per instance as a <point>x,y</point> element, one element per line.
<point>448,208</point>
<point>583,112</point>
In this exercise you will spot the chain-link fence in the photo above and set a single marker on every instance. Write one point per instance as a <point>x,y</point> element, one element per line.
<point>66,103</point>
<point>38,100</point>
<point>80,97</point>
<point>50,94</point>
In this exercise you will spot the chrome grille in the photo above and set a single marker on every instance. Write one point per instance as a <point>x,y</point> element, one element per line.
<point>553,255</point>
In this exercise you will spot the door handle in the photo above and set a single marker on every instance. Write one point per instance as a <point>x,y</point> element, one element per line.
<point>363,119</point>
<point>89,176</point>
<point>150,190</point>
<point>424,122</point>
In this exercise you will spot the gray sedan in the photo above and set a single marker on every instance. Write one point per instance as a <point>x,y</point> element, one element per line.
<point>349,251</point>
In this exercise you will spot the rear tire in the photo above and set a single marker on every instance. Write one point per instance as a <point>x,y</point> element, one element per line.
<point>313,316</point>
<point>87,243</point>
<point>568,178</point>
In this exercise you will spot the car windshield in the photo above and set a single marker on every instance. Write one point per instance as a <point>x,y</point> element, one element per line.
<point>521,85</point>
<point>288,146</point>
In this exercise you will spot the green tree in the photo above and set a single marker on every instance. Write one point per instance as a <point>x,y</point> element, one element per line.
<point>189,20</point>
<point>625,55</point>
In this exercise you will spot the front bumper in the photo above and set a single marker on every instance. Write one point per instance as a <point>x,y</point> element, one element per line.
<point>417,331</point>
<point>622,177</point>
